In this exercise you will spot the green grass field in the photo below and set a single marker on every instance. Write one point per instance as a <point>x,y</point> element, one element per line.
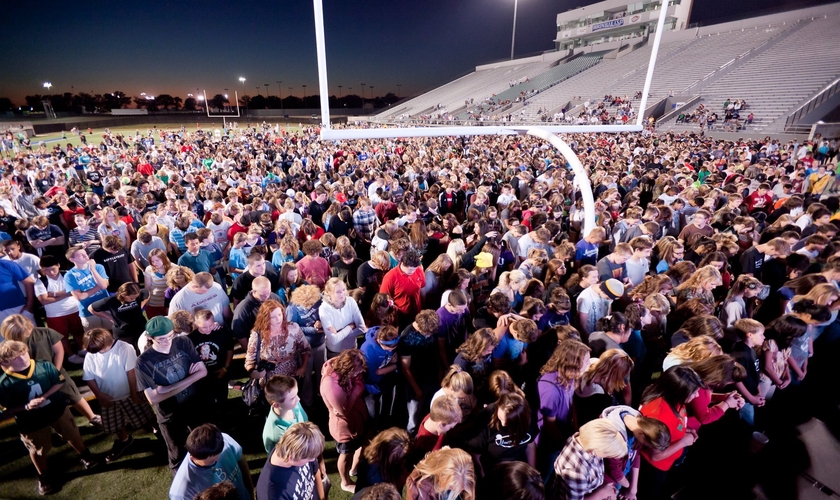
<point>142,473</point>
<point>56,137</point>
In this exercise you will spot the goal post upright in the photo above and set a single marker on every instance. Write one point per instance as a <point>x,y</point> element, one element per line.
<point>548,133</point>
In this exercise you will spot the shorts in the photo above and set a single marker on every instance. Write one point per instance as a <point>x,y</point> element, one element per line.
<point>125,412</point>
<point>39,441</point>
<point>70,324</point>
<point>70,389</point>
<point>91,322</point>
<point>350,446</point>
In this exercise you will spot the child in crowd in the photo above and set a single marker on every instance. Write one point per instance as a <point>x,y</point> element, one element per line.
<point>281,392</point>
<point>751,335</point>
<point>109,372</point>
<point>30,390</point>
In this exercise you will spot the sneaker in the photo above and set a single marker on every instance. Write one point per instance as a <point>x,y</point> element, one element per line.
<point>76,360</point>
<point>118,449</point>
<point>88,461</point>
<point>96,421</point>
<point>45,487</point>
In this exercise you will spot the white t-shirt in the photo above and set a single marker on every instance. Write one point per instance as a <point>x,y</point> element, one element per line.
<point>63,307</point>
<point>214,300</point>
<point>30,263</point>
<point>108,369</point>
<point>220,231</point>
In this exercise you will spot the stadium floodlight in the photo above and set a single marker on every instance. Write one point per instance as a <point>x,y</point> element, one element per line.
<point>48,86</point>
<point>545,132</point>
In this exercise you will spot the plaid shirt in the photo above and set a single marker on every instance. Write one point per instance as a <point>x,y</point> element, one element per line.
<point>578,472</point>
<point>365,223</point>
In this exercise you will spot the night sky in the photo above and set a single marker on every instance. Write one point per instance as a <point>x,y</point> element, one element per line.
<point>176,47</point>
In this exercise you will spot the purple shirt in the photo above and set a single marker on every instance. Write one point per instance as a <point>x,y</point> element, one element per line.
<point>555,401</point>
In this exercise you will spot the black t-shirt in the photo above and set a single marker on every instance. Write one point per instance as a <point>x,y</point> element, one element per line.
<point>156,369</point>
<point>117,266</point>
<point>371,279</point>
<point>748,358</point>
<point>242,284</point>
<point>287,483</point>
<point>751,262</point>
<point>423,353</point>
<point>316,211</point>
<point>94,177</point>
<point>129,322</point>
<point>496,446</point>
<point>212,348</point>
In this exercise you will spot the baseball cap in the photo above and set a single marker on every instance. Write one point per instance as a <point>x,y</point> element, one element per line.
<point>612,287</point>
<point>159,326</point>
<point>484,259</point>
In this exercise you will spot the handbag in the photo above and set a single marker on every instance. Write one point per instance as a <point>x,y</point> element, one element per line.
<point>252,391</point>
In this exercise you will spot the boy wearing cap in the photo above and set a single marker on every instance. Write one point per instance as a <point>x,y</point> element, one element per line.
<point>167,373</point>
<point>595,302</point>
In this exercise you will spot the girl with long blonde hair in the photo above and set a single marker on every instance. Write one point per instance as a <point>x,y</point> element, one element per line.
<point>700,285</point>
<point>696,349</point>
<point>445,474</point>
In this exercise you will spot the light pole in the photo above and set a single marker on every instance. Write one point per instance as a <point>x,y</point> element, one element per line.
<point>280,89</point>
<point>371,94</point>
<point>304,94</point>
<point>363,93</point>
<point>513,37</point>
<point>244,97</point>
<point>339,91</point>
<point>48,86</point>
<point>258,90</point>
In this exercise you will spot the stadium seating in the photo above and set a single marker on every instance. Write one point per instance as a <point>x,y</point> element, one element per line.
<point>771,83</point>
<point>546,79</point>
<point>759,64</point>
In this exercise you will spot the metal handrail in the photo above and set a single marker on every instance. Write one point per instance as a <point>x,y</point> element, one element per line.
<point>827,93</point>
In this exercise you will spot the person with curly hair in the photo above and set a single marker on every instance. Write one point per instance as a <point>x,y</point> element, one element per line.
<point>342,386</point>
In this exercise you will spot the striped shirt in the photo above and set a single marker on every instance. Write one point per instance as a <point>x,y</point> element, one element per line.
<point>77,238</point>
<point>365,222</point>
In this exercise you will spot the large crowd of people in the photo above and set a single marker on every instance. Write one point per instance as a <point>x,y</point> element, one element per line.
<point>438,301</point>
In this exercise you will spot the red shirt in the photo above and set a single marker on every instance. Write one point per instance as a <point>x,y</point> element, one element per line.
<point>676,422</point>
<point>701,412</point>
<point>756,201</point>
<point>235,228</point>
<point>426,441</point>
<point>146,169</point>
<point>404,289</point>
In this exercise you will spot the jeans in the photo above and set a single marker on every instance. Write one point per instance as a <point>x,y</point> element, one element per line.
<point>418,408</point>
<point>747,414</point>
<point>312,378</point>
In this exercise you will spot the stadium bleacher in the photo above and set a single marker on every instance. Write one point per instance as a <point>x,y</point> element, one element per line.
<point>757,63</point>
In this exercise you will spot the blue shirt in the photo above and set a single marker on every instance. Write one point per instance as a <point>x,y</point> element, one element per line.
<point>237,260</point>
<point>509,348</point>
<point>200,263</point>
<point>10,294</point>
<point>82,280</point>
<point>191,479</point>
<point>376,357</point>
<point>586,253</point>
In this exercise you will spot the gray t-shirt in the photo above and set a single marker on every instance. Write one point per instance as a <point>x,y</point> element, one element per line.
<point>214,300</point>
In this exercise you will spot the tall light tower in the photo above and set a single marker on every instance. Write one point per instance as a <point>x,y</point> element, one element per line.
<point>244,97</point>
<point>280,89</point>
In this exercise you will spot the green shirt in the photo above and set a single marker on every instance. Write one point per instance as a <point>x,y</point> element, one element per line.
<point>19,388</point>
<point>275,426</point>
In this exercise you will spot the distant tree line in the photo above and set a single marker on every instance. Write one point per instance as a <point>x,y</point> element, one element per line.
<point>103,103</point>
